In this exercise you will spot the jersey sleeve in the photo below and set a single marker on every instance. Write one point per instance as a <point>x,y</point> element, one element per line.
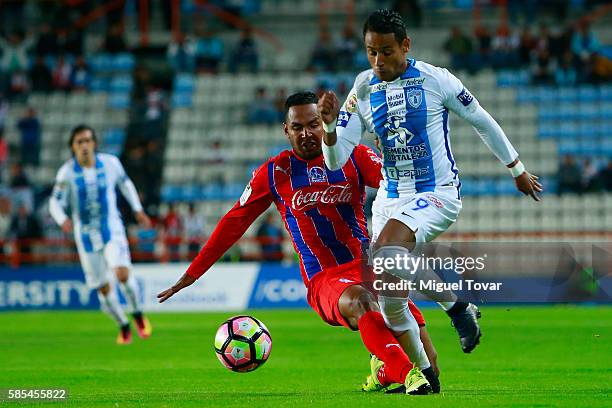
<point>348,130</point>
<point>370,165</point>
<point>58,202</point>
<point>458,99</point>
<point>255,199</point>
<point>126,186</point>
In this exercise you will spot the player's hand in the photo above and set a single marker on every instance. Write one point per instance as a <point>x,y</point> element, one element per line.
<point>528,184</point>
<point>328,106</point>
<point>185,281</point>
<point>67,226</point>
<point>143,219</point>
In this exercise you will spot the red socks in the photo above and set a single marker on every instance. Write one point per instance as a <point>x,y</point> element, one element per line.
<point>379,340</point>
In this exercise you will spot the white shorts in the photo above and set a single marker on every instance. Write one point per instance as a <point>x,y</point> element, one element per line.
<point>98,266</point>
<point>429,213</point>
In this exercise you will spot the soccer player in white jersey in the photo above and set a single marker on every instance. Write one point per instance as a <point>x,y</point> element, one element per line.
<point>405,103</point>
<point>86,183</point>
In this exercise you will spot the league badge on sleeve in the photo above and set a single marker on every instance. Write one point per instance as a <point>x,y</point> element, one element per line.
<point>351,104</point>
<point>246,194</point>
<point>465,97</point>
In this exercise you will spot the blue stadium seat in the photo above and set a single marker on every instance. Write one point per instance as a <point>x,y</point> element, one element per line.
<point>212,192</point>
<point>568,130</point>
<point>182,100</point>
<point>588,129</point>
<point>171,194</point>
<point>547,130</point>
<point>587,93</point>
<point>547,112</point>
<point>114,149</point>
<point>100,63</point>
<point>526,95</point>
<point>119,101</point>
<point>99,84</point>
<point>123,62</point>
<point>121,83</point>
<point>605,93</point>
<point>588,111</point>
<point>605,111</point>
<point>114,136</point>
<point>232,191</point>
<point>547,94</point>
<point>567,94</point>
<point>184,83</point>
<point>569,147</point>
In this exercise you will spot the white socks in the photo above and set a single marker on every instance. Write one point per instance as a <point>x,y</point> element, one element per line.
<point>110,305</point>
<point>131,291</point>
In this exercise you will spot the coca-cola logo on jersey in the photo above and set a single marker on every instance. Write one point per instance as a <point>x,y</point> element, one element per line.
<point>335,194</point>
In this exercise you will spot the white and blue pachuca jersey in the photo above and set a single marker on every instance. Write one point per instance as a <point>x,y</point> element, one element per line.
<point>90,193</point>
<point>409,116</point>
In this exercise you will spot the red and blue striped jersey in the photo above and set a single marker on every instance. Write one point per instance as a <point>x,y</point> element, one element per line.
<point>322,209</point>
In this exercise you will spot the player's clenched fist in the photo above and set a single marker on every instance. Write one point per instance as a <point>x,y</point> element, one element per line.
<point>328,107</point>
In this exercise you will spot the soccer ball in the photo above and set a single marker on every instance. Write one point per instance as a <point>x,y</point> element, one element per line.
<point>243,343</point>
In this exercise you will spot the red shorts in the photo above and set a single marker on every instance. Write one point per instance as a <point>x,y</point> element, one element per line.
<point>326,287</point>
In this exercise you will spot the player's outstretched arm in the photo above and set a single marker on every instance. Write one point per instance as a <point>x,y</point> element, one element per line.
<point>526,183</point>
<point>342,128</point>
<point>183,282</point>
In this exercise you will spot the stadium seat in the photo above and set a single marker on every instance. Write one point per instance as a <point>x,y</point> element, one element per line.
<point>123,62</point>
<point>119,101</point>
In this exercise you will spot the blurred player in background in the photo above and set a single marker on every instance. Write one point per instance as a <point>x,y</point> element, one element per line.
<point>86,183</point>
<point>405,103</point>
<point>324,215</point>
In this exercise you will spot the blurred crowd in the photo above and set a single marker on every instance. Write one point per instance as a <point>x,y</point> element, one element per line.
<point>586,175</point>
<point>565,57</point>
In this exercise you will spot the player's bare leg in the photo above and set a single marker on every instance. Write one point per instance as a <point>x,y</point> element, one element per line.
<point>360,309</point>
<point>131,292</point>
<point>463,315</point>
<point>110,304</point>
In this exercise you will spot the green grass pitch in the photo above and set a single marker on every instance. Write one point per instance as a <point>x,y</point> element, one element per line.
<point>538,356</point>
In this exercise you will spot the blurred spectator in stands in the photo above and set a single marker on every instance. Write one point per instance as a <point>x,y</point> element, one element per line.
<point>411,12</point>
<point>562,42</point>
<point>4,107</point>
<point>522,8</point>
<point>6,218</point>
<point>585,42</point>
<point>156,112</point>
<point>542,41</point>
<point>47,41</point>
<point>21,188</point>
<point>19,86</point>
<point>114,43</point>
<point>30,129</point>
<point>598,69</point>
<point>279,104</point>
<point>542,71</point>
<point>460,48</point>
<point>194,230</point>
<point>569,176</point>
<point>346,48</point>
<point>589,175</point>
<point>80,74</point>
<point>62,75</point>
<point>605,176</point>
<point>173,232</point>
<point>12,15</point>
<point>25,228</point>
<point>245,56</point>
<point>181,53</point>
<point>270,237</point>
<point>322,56</point>
<point>566,74</point>
<point>40,76</point>
<point>14,53</point>
<point>483,53</point>
<point>4,151</point>
<point>262,110</point>
<point>70,42</point>
<point>209,51</point>
<point>527,44</point>
<point>153,166</point>
<point>504,48</point>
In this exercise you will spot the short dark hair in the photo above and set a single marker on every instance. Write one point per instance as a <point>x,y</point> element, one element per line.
<point>384,21</point>
<point>78,129</point>
<point>300,98</point>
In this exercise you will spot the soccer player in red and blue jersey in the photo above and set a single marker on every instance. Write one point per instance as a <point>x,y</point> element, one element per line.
<point>323,212</point>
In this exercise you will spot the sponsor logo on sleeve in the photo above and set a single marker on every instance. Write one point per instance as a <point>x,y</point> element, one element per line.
<point>465,97</point>
<point>343,118</point>
<point>246,194</point>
